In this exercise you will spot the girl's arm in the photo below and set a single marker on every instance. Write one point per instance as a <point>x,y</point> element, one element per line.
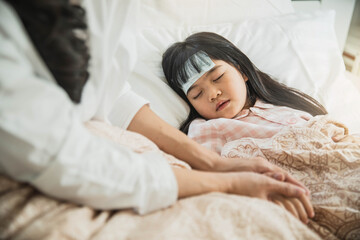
<point>176,143</point>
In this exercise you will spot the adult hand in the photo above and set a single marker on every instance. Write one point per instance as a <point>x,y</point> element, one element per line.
<point>257,165</point>
<point>291,197</point>
<point>194,182</point>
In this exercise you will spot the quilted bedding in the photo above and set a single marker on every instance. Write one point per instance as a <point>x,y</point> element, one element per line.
<point>25,213</point>
<point>331,170</point>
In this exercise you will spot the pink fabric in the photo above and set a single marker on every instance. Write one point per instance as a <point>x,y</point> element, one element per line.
<point>263,120</point>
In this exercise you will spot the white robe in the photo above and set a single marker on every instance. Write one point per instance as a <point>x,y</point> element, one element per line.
<point>42,137</point>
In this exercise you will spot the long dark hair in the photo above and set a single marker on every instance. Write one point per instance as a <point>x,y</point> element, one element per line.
<point>259,86</point>
<point>57,30</point>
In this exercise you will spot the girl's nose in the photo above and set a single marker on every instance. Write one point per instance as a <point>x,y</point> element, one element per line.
<point>215,93</point>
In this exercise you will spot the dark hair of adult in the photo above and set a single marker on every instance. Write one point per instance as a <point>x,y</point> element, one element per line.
<point>57,30</point>
<point>259,86</point>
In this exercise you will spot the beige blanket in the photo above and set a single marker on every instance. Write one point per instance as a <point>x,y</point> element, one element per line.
<point>27,214</point>
<point>330,170</point>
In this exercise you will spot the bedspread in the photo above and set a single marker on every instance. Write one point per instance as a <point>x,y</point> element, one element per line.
<point>25,213</point>
<point>330,170</point>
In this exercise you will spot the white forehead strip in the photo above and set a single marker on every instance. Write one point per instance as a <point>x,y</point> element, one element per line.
<point>203,61</point>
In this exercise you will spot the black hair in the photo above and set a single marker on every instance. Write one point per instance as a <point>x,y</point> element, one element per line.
<point>57,29</point>
<point>259,86</point>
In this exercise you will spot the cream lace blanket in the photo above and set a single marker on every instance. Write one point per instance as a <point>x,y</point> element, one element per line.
<point>330,170</point>
<point>27,214</point>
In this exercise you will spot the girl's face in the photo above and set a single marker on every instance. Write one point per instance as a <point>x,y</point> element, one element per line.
<point>219,93</point>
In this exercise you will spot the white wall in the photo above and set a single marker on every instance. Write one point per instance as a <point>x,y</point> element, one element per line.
<point>344,11</point>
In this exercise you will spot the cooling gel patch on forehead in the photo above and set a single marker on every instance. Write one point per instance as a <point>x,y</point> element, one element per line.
<point>196,66</point>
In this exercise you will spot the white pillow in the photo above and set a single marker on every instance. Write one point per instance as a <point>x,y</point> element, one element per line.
<point>298,49</point>
<point>301,51</point>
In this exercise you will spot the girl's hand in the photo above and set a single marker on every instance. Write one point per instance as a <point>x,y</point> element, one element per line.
<point>296,207</point>
<point>284,194</point>
<point>258,165</point>
<point>346,138</point>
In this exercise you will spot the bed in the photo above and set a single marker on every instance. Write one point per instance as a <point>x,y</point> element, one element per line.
<point>280,42</point>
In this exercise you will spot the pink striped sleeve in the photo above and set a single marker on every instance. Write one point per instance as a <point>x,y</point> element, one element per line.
<point>207,134</point>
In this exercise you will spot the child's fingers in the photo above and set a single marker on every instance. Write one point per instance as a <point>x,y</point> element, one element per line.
<point>337,138</point>
<point>300,210</point>
<point>350,139</point>
<point>294,206</point>
<point>278,202</point>
<point>286,204</point>
<point>307,205</point>
<point>291,208</point>
<point>346,138</point>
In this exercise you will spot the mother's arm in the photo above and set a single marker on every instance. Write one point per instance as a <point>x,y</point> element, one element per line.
<point>247,184</point>
<point>44,142</point>
<point>173,141</point>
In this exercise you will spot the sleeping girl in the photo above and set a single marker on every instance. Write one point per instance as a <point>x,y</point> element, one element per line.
<point>240,111</point>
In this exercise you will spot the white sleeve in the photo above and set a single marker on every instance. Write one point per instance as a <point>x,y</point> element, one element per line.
<point>125,108</point>
<point>112,41</point>
<point>43,142</point>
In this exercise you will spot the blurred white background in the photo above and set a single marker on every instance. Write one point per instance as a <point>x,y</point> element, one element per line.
<point>347,26</point>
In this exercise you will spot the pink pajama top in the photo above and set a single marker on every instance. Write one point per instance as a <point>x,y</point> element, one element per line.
<point>263,120</point>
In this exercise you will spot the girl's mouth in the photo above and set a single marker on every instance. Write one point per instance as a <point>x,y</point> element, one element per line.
<point>221,105</point>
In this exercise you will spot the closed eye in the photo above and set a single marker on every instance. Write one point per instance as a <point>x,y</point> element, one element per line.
<point>198,95</point>
<point>217,79</point>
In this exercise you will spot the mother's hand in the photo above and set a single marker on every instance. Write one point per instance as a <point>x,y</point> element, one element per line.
<point>194,182</point>
<point>258,165</point>
<point>260,186</point>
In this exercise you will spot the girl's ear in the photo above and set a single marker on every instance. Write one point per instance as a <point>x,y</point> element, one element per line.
<point>245,77</point>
